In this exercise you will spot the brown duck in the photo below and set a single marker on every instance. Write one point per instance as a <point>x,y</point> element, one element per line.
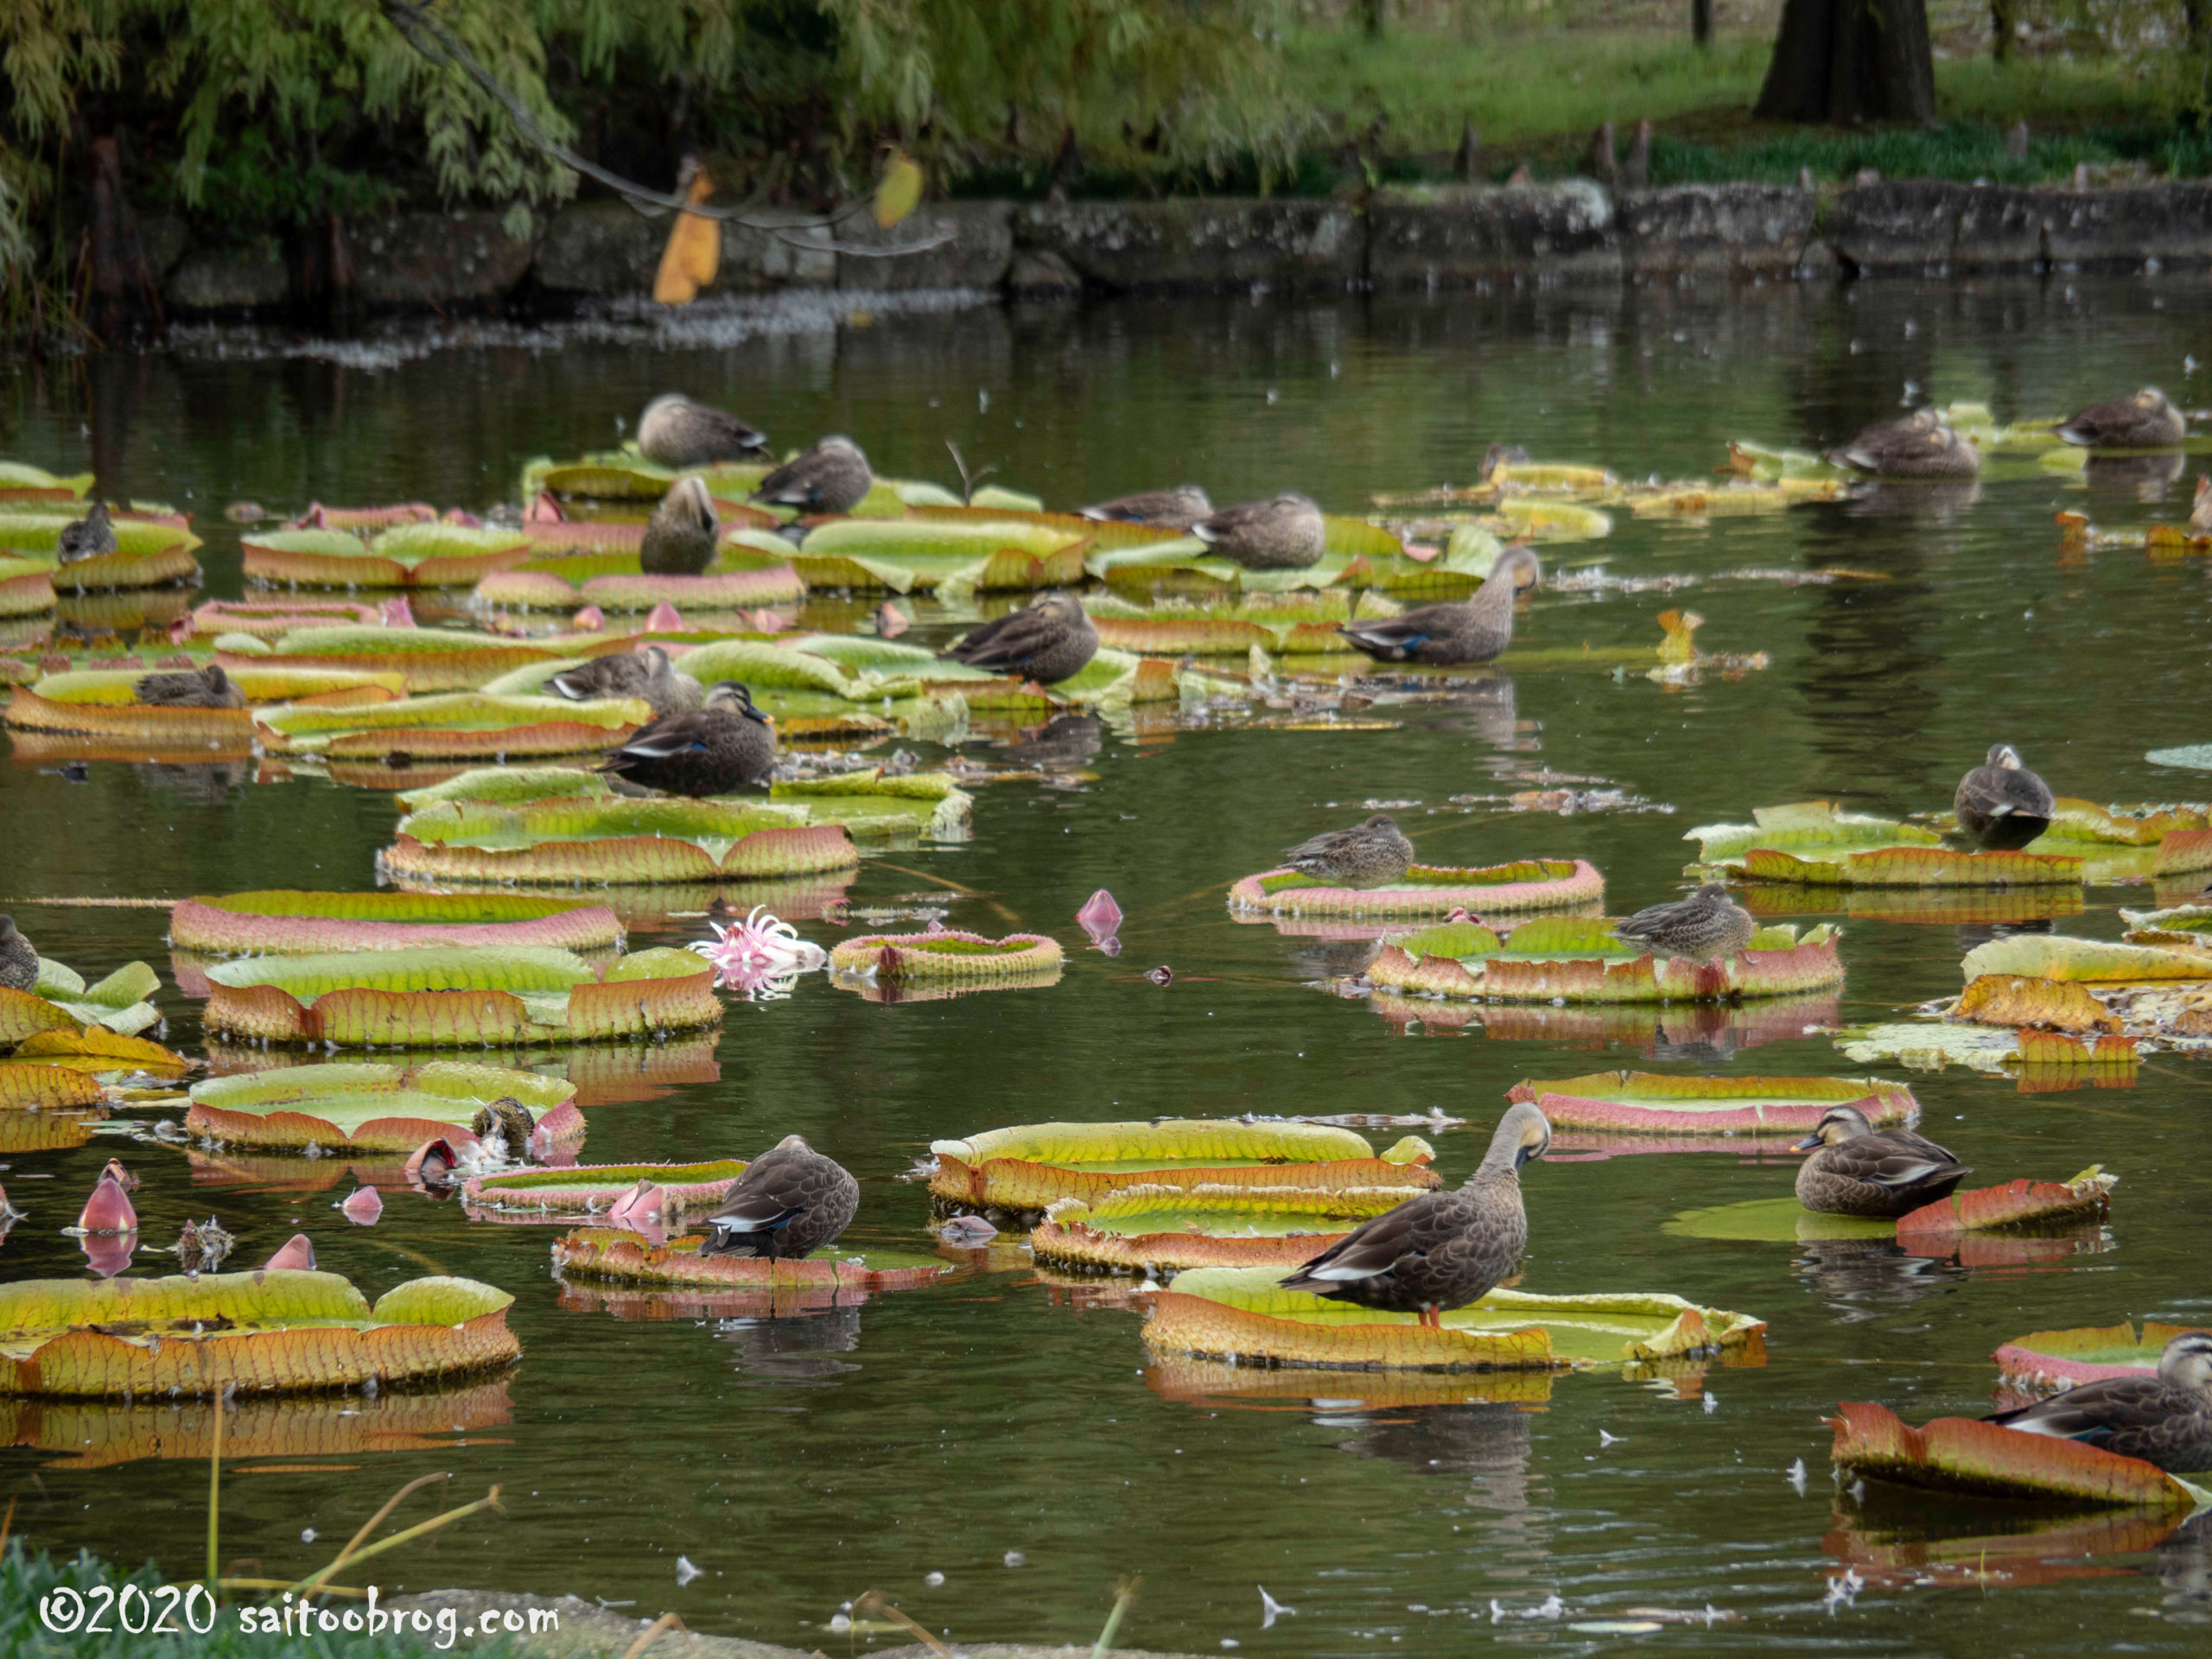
<point>789,1202</point>
<point>18,961</point>
<point>1176,509</point>
<point>1919,445</point>
<point>649,674</point>
<point>2001,804</point>
<point>1046,642</point>
<point>204,688</point>
<point>723,745</point>
<point>680,538</point>
<point>1284,532</point>
<point>832,476</point>
<point>1497,455</point>
<point>675,433</point>
<point>82,538</point>
<point>1366,855</point>
<point>1706,925</point>
<point>1858,1170</point>
<point>2166,1418</point>
<point>2146,420</point>
<point>1474,632</point>
<point>1440,1250</point>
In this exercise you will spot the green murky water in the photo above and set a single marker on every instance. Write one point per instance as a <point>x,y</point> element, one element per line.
<point>799,1461</point>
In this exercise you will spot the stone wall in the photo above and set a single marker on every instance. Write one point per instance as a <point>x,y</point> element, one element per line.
<point>1432,237</point>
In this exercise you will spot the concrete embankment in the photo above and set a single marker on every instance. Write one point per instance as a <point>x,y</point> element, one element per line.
<point>1572,232</point>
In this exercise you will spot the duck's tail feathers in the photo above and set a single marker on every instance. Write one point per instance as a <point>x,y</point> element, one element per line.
<point>1383,642</point>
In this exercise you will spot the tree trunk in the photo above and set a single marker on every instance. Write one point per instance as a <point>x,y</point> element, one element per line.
<point>2000,30</point>
<point>1850,61</point>
<point>1702,22</point>
<point>1371,18</point>
<point>124,298</point>
<point>2197,21</point>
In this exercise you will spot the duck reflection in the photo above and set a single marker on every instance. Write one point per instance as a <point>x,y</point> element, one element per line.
<point>1493,713</point>
<point>1863,1278</point>
<point>209,783</point>
<point>2147,479</point>
<point>803,1348</point>
<point>1928,503</point>
<point>2183,1564</point>
<point>1486,1442</point>
<point>1062,744</point>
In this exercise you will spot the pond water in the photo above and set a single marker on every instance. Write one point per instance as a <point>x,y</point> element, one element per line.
<point>799,1462</point>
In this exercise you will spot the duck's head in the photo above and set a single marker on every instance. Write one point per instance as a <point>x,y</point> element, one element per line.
<point>1520,559</point>
<point>658,661</point>
<point>1712,893</point>
<point>7,929</point>
<point>690,502</point>
<point>2005,755</point>
<point>1837,1125</point>
<point>217,682</point>
<point>1524,1135</point>
<point>2187,1360</point>
<point>838,444</point>
<point>668,404</point>
<point>732,694</point>
<point>1066,606</point>
<point>2151,398</point>
<point>792,1143</point>
<point>1294,501</point>
<point>1193,498</point>
<point>1381,821</point>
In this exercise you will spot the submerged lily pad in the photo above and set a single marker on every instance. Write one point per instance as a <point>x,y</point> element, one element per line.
<point>1245,1314</point>
<point>1028,1168</point>
<point>609,1253</point>
<point>1810,843</point>
<point>2044,1361</point>
<point>1426,890</point>
<point>287,921</point>
<point>1578,960</point>
<point>1147,1228</point>
<point>1959,1455</point>
<point>61,1001</point>
<point>583,1188</point>
<point>259,1332</point>
<point>372,1107</point>
<point>1650,1102</point>
<point>947,955</point>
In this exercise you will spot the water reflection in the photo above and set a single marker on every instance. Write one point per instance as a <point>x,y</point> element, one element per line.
<point>801,1350</point>
<point>1897,1538</point>
<point>1704,1033</point>
<point>1863,1279</point>
<point>1929,503</point>
<point>2146,479</point>
<point>2183,1565</point>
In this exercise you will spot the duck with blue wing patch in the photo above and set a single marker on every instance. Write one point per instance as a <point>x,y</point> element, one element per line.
<point>1858,1170</point>
<point>712,750</point>
<point>1474,632</point>
<point>2166,1418</point>
<point>789,1202</point>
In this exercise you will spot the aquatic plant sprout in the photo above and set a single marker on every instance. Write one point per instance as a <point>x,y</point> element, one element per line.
<point>760,957</point>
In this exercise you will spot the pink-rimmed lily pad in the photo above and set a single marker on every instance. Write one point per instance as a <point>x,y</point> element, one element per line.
<point>150,552</point>
<point>26,586</point>
<point>1426,890</point>
<point>1148,1229</point>
<point>1971,1458</point>
<point>405,555</point>
<point>2044,1361</point>
<point>1649,1102</point>
<point>1571,959</point>
<point>291,922</point>
<point>452,725</point>
<point>259,1332</point>
<point>2086,1197</point>
<point>1809,844</point>
<point>273,618</point>
<point>2021,1207</point>
<point>426,659</point>
<point>947,955</point>
<point>581,1189</point>
<point>725,590</point>
<point>611,1254</point>
<point>373,1109</point>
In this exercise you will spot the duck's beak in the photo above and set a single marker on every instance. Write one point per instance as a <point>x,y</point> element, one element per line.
<point>1807,1144</point>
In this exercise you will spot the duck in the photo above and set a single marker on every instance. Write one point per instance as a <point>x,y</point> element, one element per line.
<point>2002,805</point>
<point>1176,509</point>
<point>680,536</point>
<point>832,476</point>
<point>717,747</point>
<point>83,538</point>
<point>1858,1170</point>
<point>1707,926</point>
<point>650,674</point>
<point>2166,1418</point>
<point>2146,420</point>
<point>1475,631</point>
<point>509,1121</point>
<point>676,432</point>
<point>18,959</point>
<point>1497,455</point>
<point>205,688</point>
<point>1046,642</point>
<point>1440,1250</point>
<point>791,1201</point>
<point>1919,445</point>
<point>1284,532</point>
<point>1369,854</point>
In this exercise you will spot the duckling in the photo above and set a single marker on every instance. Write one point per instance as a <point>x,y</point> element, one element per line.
<point>680,538</point>
<point>2001,804</point>
<point>1370,854</point>
<point>650,674</point>
<point>1856,1169</point>
<point>710,751</point>
<point>2200,515</point>
<point>1919,445</point>
<point>81,538</point>
<point>1284,532</point>
<point>2146,420</point>
<point>207,688</point>
<point>1440,1250</point>
<point>2166,1418</point>
<point>674,432</point>
<point>509,1122</point>
<point>1176,509</point>
<point>18,961</point>
<point>789,1202</point>
<point>1047,642</point>
<point>832,476</point>
<point>1497,455</point>
<point>1474,632</point>
<point>1707,926</point>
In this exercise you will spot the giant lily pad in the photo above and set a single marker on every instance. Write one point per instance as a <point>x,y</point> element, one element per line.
<point>2044,1361</point>
<point>1578,960</point>
<point>149,553</point>
<point>427,659</point>
<point>1244,1314</point>
<point>915,554</point>
<point>286,921</point>
<point>437,998</point>
<point>609,1253</point>
<point>1959,1455</point>
<point>405,555</point>
<point>1810,843</point>
<point>259,1332</point>
<point>2057,956</point>
<point>1028,1168</point>
<point>946,955</point>
<point>1426,890</point>
<point>1162,1229</point>
<point>453,725</point>
<point>719,590</point>
<point>2121,826</point>
<point>21,482</point>
<point>26,586</point>
<point>1650,1102</point>
<point>372,1107</point>
<point>581,1188</point>
<point>61,1001</point>
<point>102,702</point>
<point>2016,1205</point>
<point>1927,1046</point>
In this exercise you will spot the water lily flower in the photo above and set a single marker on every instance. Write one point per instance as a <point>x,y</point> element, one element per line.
<point>890,621</point>
<point>108,1211</point>
<point>1100,917</point>
<point>590,619</point>
<point>122,1176</point>
<point>432,1163</point>
<point>760,956</point>
<point>767,621</point>
<point>365,1207</point>
<point>641,1204</point>
<point>396,613</point>
<point>296,1255</point>
<point>664,618</point>
<point>545,509</point>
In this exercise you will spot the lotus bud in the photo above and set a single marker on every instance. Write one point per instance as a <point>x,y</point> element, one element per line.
<point>311,519</point>
<point>664,618</point>
<point>1100,917</point>
<point>297,1254</point>
<point>122,1176</point>
<point>108,1211</point>
<point>432,1163</point>
<point>398,612</point>
<point>1162,975</point>
<point>640,1207</point>
<point>590,619</point>
<point>767,621</point>
<point>363,1208</point>
<point>966,1229</point>
<point>108,1256</point>
<point>545,509</point>
<point>890,621</point>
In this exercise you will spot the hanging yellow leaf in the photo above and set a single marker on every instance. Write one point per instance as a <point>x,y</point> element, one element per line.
<point>900,190</point>
<point>694,252</point>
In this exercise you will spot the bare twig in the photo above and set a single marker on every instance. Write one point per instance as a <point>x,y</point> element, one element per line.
<point>1124,1593</point>
<point>214,1491</point>
<point>313,1583</point>
<point>652,1633</point>
<point>872,1603</point>
<point>968,481</point>
<point>391,1504</point>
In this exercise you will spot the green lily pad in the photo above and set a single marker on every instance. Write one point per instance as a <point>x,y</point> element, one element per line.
<point>60,1000</point>
<point>1775,1221</point>
<point>1576,959</point>
<point>367,1108</point>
